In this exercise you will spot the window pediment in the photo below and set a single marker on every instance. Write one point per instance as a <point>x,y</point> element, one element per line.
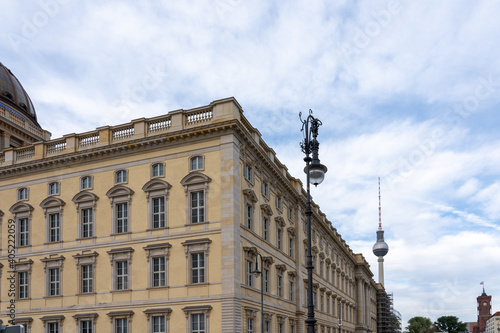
<point>266,209</point>
<point>52,202</point>
<point>85,197</point>
<point>118,191</point>
<point>156,185</point>
<point>250,195</point>
<point>195,178</point>
<point>280,220</point>
<point>21,207</point>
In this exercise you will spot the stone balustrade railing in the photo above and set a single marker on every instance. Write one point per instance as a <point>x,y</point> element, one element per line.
<point>140,128</point>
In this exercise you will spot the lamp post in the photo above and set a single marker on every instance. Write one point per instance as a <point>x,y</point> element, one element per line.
<point>339,324</point>
<point>257,272</point>
<point>315,172</point>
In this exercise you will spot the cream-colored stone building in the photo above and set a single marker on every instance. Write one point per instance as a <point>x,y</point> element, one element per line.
<point>156,225</point>
<point>493,323</point>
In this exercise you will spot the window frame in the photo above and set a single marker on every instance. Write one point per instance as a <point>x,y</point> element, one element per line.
<point>86,201</point>
<point>194,163</point>
<point>53,188</point>
<point>119,257</point>
<point>120,198</point>
<point>155,251</point>
<point>197,310</point>
<point>155,313</point>
<point>86,317</point>
<point>157,189</point>
<point>48,320</point>
<point>157,170</point>
<point>25,267</point>
<point>121,176</point>
<point>22,212</point>
<point>53,282</point>
<point>23,194</point>
<point>53,207</point>
<point>197,246</point>
<point>196,182</point>
<point>125,315</point>
<point>86,182</point>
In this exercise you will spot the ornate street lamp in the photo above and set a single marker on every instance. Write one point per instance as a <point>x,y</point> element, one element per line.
<point>315,172</point>
<point>257,272</point>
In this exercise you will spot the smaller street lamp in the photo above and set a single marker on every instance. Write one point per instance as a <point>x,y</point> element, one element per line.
<point>261,273</point>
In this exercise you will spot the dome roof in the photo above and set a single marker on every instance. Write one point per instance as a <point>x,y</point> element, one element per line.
<point>13,95</point>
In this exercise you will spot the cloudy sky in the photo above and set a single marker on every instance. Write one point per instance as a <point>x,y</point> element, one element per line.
<point>406,90</point>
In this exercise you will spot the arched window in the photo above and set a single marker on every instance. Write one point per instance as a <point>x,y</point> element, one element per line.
<point>22,194</point>
<point>54,188</point>
<point>196,163</point>
<point>86,183</point>
<point>158,170</point>
<point>121,177</point>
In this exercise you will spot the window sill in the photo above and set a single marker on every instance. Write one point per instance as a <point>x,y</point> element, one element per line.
<point>197,284</point>
<point>198,223</point>
<point>153,229</point>
<point>121,291</point>
<point>121,233</point>
<point>157,288</point>
<point>84,238</point>
<point>50,243</point>
<point>53,296</point>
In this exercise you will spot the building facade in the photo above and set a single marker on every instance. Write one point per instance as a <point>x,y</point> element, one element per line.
<point>156,226</point>
<point>493,323</point>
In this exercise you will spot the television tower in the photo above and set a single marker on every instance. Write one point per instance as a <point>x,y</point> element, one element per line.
<point>380,248</point>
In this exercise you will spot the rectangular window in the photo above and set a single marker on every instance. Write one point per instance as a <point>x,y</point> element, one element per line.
<point>289,213</point>
<point>322,303</point>
<point>249,276</point>
<point>248,216</point>
<point>280,328</point>
<point>280,286</point>
<point>87,223</point>
<point>265,190</point>
<point>278,203</point>
<point>250,325</point>
<point>54,282</point>
<point>279,233</point>
<point>265,232</point>
<point>291,293</point>
<point>53,327</point>
<point>266,280</point>
<point>267,326</point>
<point>158,324</point>
<point>198,267</point>
<point>23,285</point>
<point>121,275</point>
<point>248,173</point>
<point>121,218</point>
<point>87,279</point>
<point>24,232</point>
<point>54,227</point>
<point>86,326</point>
<point>290,247</point>
<point>159,272</point>
<point>121,325</point>
<point>197,207</point>
<point>198,323</point>
<point>158,213</point>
